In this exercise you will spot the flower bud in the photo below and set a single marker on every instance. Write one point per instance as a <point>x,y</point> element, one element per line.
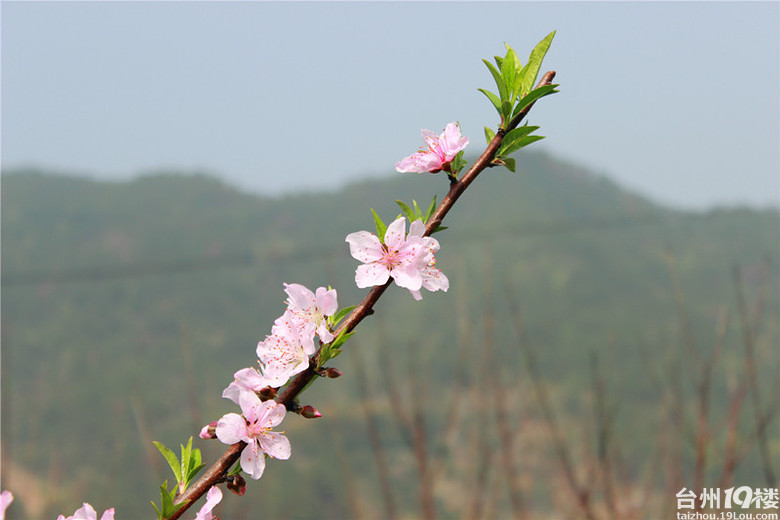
<point>209,431</point>
<point>332,373</point>
<point>237,484</point>
<point>310,412</point>
<point>267,393</point>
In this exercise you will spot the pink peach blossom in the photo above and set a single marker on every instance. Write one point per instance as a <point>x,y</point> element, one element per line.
<point>400,257</point>
<point>309,309</point>
<point>284,353</point>
<point>254,428</point>
<point>442,149</point>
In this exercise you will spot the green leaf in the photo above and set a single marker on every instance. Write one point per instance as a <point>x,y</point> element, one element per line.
<point>336,318</point>
<point>508,73</point>
<point>513,136</point>
<point>173,462</point>
<point>417,212</point>
<point>430,210</point>
<point>516,84</point>
<point>489,135</point>
<point>513,54</point>
<point>380,226</point>
<point>506,111</point>
<point>520,131</point>
<point>166,503</point>
<point>186,454</point>
<point>333,349</point>
<point>190,463</point>
<point>531,69</point>
<point>510,164</point>
<point>408,213</point>
<point>196,459</point>
<point>341,339</point>
<point>500,83</point>
<point>334,353</point>
<point>493,99</point>
<point>457,163</point>
<point>439,228</point>
<point>535,94</point>
<point>522,142</point>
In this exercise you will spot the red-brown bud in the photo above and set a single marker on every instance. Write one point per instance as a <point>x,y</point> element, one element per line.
<point>310,412</point>
<point>237,484</point>
<point>267,393</point>
<point>332,373</point>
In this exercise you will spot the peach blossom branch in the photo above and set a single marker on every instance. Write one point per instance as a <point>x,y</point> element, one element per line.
<point>217,472</point>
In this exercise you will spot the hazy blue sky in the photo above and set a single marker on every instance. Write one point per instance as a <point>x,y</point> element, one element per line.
<point>677,100</point>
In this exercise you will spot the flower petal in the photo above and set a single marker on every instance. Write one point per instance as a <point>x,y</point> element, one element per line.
<point>396,233</point>
<point>325,335</point>
<point>213,497</point>
<point>272,414</point>
<point>300,296</point>
<point>409,165</point>
<point>416,229</point>
<point>364,246</point>
<point>85,512</point>
<point>253,460</point>
<point>368,275</point>
<point>249,378</point>
<point>451,141</point>
<point>251,406</point>
<point>435,280</point>
<point>231,428</point>
<point>430,138</point>
<point>420,162</point>
<point>276,445</point>
<point>6,497</point>
<point>414,251</point>
<point>408,277</point>
<point>246,379</point>
<point>232,392</point>
<point>327,301</point>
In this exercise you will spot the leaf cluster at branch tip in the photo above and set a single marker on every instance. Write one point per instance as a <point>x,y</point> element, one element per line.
<point>516,93</point>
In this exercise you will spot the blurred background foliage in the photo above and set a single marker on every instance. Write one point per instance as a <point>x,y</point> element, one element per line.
<point>584,324</point>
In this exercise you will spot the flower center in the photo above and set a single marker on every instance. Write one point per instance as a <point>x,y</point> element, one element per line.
<point>255,429</point>
<point>391,258</point>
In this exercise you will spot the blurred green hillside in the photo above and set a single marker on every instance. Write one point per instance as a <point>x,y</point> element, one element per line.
<point>127,307</point>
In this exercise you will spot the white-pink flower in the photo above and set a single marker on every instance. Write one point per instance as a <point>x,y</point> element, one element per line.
<point>309,309</point>
<point>87,512</point>
<point>283,353</point>
<point>6,497</point>
<point>433,278</point>
<point>401,257</point>
<point>254,428</point>
<point>442,149</point>
<point>245,380</point>
<point>213,497</point>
